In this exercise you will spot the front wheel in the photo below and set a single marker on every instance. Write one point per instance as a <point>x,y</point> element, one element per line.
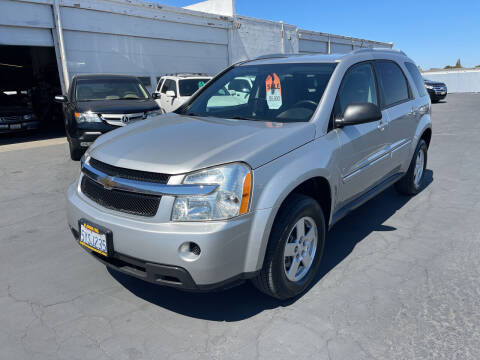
<point>76,152</point>
<point>294,250</point>
<point>412,182</point>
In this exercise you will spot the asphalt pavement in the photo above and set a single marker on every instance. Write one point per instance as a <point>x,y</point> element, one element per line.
<point>400,278</point>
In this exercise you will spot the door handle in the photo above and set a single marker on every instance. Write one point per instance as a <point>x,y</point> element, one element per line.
<point>381,125</point>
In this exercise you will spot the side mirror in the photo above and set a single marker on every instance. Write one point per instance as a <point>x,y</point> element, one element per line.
<point>170,93</point>
<point>61,99</point>
<point>155,95</point>
<point>359,113</point>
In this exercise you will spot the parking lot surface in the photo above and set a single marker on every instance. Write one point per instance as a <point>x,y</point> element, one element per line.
<point>400,278</point>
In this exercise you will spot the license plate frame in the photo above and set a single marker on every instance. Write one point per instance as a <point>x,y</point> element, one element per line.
<point>101,231</point>
<point>15,126</point>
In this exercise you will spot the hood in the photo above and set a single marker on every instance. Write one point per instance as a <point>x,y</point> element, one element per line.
<point>117,106</point>
<point>15,110</point>
<point>176,144</point>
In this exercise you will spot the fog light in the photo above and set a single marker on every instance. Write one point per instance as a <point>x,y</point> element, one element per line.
<point>189,251</point>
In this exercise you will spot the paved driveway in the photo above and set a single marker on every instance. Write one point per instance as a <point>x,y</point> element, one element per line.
<point>400,279</point>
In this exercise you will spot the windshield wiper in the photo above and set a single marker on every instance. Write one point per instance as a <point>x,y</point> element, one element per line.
<point>242,118</point>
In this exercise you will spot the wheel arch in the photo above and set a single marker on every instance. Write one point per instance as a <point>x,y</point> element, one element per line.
<point>427,136</point>
<point>317,186</point>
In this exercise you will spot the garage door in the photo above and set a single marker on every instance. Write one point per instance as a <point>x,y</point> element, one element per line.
<point>26,24</point>
<point>10,35</point>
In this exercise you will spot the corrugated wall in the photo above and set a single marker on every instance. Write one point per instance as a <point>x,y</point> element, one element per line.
<point>148,40</point>
<point>462,81</point>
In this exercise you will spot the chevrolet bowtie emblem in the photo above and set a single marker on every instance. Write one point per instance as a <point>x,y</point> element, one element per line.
<point>108,182</point>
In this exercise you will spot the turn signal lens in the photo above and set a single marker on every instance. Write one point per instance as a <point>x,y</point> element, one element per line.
<point>247,187</point>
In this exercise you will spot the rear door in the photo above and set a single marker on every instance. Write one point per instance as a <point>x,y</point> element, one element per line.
<point>364,159</point>
<point>397,99</point>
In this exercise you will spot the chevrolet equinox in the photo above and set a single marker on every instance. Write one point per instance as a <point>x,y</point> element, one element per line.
<point>222,191</point>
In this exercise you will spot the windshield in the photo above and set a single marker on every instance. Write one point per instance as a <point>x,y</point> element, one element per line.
<point>14,98</point>
<point>273,92</point>
<point>189,86</point>
<point>110,89</point>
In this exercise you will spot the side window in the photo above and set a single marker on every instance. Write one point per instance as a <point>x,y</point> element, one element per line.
<point>417,78</point>
<point>392,83</point>
<point>358,85</point>
<point>168,85</point>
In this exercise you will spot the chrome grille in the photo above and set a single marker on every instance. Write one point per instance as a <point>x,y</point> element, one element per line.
<point>8,119</point>
<point>123,201</point>
<point>122,119</point>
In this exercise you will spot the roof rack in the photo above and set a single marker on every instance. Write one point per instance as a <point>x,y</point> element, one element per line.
<point>379,50</point>
<point>186,74</point>
<point>272,56</point>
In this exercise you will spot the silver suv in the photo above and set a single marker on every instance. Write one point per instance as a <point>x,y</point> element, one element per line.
<point>226,190</point>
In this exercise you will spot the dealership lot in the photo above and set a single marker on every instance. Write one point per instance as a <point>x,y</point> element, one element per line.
<point>400,279</point>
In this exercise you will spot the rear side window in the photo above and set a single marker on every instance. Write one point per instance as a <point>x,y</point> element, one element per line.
<point>417,78</point>
<point>393,84</point>
<point>358,86</point>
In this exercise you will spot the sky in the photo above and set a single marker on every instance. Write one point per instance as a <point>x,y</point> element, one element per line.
<point>433,33</point>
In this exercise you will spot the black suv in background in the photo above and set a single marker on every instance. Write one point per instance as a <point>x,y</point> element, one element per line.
<point>437,90</point>
<point>16,112</point>
<point>96,104</point>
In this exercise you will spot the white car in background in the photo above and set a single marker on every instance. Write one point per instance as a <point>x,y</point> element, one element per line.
<point>173,90</point>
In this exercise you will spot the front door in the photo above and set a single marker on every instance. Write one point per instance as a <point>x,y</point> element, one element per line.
<point>169,94</point>
<point>364,156</point>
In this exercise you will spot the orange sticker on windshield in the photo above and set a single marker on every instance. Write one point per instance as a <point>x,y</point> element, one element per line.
<point>274,91</point>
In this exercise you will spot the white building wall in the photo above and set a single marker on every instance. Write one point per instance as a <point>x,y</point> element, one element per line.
<point>460,81</point>
<point>102,42</point>
<point>148,40</point>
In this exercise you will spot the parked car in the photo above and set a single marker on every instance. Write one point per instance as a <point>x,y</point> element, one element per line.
<point>437,90</point>
<point>16,113</point>
<point>213,195</point>
<point>96,104</point>
<point>175,89</point>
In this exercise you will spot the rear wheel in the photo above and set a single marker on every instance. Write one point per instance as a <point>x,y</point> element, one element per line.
<point>294,250</point>
<point>412,182</point>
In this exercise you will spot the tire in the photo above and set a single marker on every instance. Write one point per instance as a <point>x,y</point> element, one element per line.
<point>272,278</point>
<point>76,152</point>
<point>409,184</point>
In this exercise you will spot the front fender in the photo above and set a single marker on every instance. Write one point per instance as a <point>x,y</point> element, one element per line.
<point>274,181</point>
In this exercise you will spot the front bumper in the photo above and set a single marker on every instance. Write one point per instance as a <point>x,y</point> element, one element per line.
<point>436,95</point>
<point>83,135</point>
<point>148,248</point>
<point>19,126</point>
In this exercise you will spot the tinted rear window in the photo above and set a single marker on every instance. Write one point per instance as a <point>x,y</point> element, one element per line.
<point>189,86</point>
<point>393,84</point>
<point>417,78</point>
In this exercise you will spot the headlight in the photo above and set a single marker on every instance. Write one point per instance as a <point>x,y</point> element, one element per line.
<point>87,117</point>
<point>429,86</point>
<point>28,117</point>
<point>154,113</point>
<point>230,199</point>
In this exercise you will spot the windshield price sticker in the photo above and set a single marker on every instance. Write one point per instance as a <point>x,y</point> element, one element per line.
<point>273,91</point>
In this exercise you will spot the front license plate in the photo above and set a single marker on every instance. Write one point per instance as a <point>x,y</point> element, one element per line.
<point>93,238</point>
<point>15,126</point>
